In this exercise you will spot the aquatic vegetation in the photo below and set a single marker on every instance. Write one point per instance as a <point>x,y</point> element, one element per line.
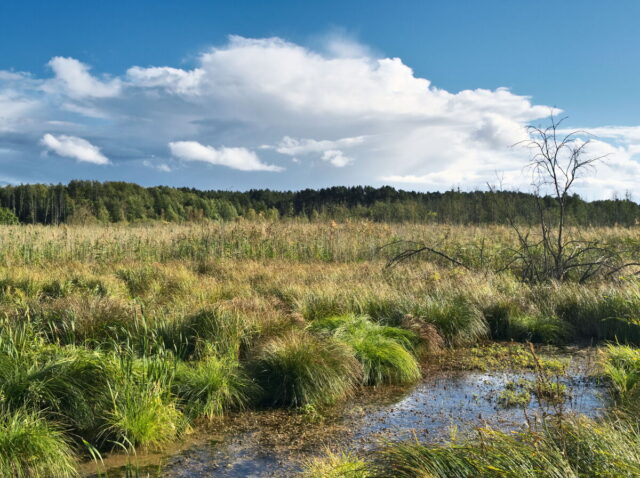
<point>336,465</point>
<point>32,447</point>
<point>299,369</point>
<point>577,447</point>
<point>515,394</point>
<point>384,352</point>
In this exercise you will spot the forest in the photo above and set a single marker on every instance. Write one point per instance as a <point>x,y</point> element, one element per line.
<point>87,202</point>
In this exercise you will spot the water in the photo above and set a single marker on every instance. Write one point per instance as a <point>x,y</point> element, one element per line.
<point>266,444</point>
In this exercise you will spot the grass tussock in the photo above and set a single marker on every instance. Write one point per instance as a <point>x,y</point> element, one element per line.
<point>212,386</point>
<point>32,447</point>
<point>386,353</point>
<point>336,465</point>
<point>301,369</point>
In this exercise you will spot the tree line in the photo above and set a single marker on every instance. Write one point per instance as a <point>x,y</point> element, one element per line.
<point>106,202</point>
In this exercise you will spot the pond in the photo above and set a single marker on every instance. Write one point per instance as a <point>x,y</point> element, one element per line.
<point>445,403</point>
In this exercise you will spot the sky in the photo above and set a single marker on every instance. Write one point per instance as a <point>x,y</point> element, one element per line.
<point>419,95</point>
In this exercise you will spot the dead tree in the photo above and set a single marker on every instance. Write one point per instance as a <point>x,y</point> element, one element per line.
<point>550,249</point>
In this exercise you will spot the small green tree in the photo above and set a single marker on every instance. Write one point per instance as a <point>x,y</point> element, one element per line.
<point>7,216</point>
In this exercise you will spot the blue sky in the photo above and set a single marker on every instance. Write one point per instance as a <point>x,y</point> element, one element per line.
<point>290,94</point>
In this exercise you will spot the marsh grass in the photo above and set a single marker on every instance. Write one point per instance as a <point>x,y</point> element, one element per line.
<point>142,416</point>
<point>335,465</point>
<point>576,447</point>
<point>386,353</point>
<point>32,447</point>
<point>213,386</point>
<point>300,369</point>
<point>124,335</point>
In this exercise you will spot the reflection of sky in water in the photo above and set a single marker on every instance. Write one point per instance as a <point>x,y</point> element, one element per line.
<point>462,400</point>
<point>468,400</point>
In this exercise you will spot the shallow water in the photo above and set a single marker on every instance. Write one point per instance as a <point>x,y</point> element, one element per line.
<point>274,444</point>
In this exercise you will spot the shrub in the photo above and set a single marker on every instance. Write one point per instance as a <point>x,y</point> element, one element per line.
<point>299,369</point>
<point>30,447</point>
<point>384,352</point>
<point>7,217</point>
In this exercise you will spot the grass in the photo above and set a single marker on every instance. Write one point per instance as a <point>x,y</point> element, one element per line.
<point>386,353</point>
<point>143,416</point>
<point>301,369</point>
<point>123,336</point>
<point>573,448</point>
<point>33,447</point>
<point>336,465</point>
<point>212,386</point>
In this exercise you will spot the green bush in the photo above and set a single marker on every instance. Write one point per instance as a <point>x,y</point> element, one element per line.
<point>7,217</point>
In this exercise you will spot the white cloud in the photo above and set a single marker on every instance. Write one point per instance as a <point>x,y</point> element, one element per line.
<point>293,147</point>
<point>323,108</point>
<point>74,147</point>
<point>336,158</point>
<point>235,158</point>
<point>74,78</point>
<point>165,168</point>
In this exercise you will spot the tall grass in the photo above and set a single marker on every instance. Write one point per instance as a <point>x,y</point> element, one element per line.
<point>213,386</point>
<point>31,447</point>
<point>573,448</point>
<point>300,369</point>
<point>384,352</point>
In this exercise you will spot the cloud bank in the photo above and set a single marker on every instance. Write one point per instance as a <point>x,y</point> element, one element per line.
<point>254,107</point>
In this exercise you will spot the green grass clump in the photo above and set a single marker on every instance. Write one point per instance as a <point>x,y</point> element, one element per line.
<point>621,365</point>
<point>31,447</point>
<point>601,314</point>
<point>336,465</point>
<point>384,352</point>
<point>67,384</point>
<point>299,369</point>
<point>457,319</point>
<point>575,447</point>
<point>142,416</point>
<point>508,322</point>
<point>212,386</point>
<point>210,328</point>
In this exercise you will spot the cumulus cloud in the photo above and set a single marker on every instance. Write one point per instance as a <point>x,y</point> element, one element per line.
<point>74,147</point>
<point>234,158</point>
<point>73,77</point>
<point>321,109</point>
